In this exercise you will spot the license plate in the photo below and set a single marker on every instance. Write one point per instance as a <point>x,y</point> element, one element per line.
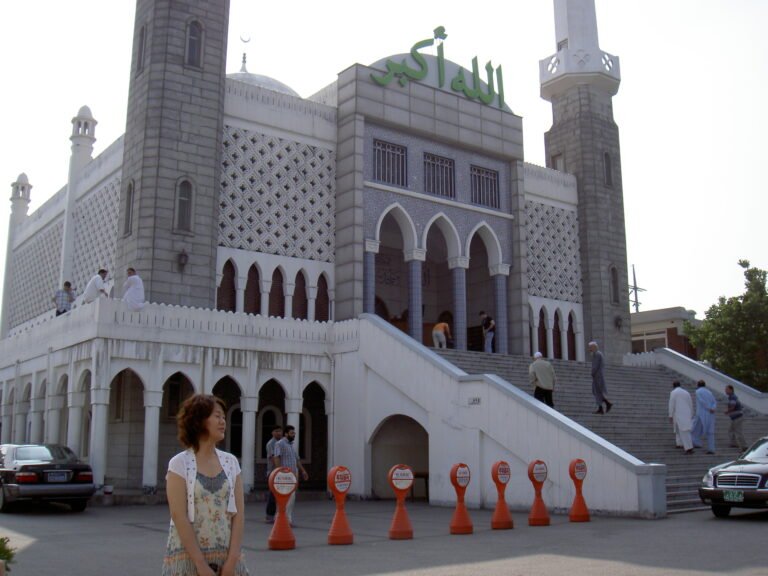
<point>733,495</point>
<point>57,476</point>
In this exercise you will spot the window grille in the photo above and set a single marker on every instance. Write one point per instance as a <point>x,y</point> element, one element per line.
<point>390,163</point>
<point>485,186</point>
<point>195,44</point>
<point>439,176</point>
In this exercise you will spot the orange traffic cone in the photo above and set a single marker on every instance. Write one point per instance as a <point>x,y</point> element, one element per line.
<point>401,528</point>
<point>339,480</point>
<point>282,484</point>
<point>501,473</point>
<point>461,523</point>
<point>537,472</point>
<point>579,511</point>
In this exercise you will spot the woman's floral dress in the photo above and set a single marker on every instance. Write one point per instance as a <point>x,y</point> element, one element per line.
<point>212,525</point>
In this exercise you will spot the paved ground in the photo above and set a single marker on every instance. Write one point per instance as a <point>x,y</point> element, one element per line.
<point>131,540</point>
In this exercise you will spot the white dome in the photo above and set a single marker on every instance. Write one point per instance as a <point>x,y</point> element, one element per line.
<point>84,112</point>
<point>263,82</point>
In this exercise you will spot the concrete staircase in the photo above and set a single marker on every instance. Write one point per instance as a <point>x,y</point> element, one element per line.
<point>638,422</point>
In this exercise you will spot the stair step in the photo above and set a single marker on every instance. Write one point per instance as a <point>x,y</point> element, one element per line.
<point>638,423</point>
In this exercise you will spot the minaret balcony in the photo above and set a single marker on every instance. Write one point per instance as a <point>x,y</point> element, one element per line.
<point>568,68</point>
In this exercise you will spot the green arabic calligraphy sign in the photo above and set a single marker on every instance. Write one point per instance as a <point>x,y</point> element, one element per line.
<point>473,87</point>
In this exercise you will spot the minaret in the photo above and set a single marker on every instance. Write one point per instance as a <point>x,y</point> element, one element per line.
<point>82,138</point>
<point>19,207</point>
<point>172,153</point>
<point>580,81</point>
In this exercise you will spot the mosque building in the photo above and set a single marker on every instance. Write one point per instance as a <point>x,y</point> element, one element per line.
<point>296,253</point>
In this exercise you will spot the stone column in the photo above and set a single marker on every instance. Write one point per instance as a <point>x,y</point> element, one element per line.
<point>266,286</point>
<point>369,276</point>
<point>293,413</point>
<point>499,273</point>
<point>550,338</point>
<point>240,293</point>
<point>53,418</point>
<point>153,402</point>
<point>36,420</point>
<point>579,333</point>
<point>75,401</point>
<point>564,342</point>
<point>311,302</point>
<point>458,267</point>
<point>415,258</point>
<point>288,289</point>
<point>7,415</point>
<point>249,407</point>
<point>20,423</point>
<point>535,335</point>
<point>99,410</point>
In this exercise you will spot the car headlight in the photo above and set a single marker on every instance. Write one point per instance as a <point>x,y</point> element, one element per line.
<point>708,480</point>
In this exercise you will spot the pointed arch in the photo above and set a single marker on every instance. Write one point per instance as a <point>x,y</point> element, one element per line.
<point>490,241</point>
<point>404,222</point>
<point>557,341</point>
<point>542,333</point>
<point>323,300</point>
<point>252,297</point>
<point>277,294</point>
<point>450,234</point>
<point>300,304</point>
<point>226,294</point>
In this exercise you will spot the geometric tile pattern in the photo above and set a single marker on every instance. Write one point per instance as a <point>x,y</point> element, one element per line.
<point>554,263</point>
<point>35,268</point>
<point>95,233</point>
<point>277,196</point>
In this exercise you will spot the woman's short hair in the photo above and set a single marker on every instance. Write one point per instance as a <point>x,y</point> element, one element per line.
<point>192,416</point>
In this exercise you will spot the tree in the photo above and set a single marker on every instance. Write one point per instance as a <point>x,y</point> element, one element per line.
<point>733,337</point>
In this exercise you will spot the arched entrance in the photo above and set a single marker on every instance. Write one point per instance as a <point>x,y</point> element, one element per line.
<point>229,391</point>
<point>392,273</point>
<point>398,440</point>
<point>271,413</point>
<point>176,389</point>
<point>437,284</point>
<point>480,293</point>
<point>313,436</point>
<point>125,432</point>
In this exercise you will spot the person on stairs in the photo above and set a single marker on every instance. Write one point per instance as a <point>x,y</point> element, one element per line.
<point>704,422</point>
<point>681,415</point>
<point>599,389</point>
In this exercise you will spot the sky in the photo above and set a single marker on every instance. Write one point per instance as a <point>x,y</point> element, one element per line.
<point>690,109</point>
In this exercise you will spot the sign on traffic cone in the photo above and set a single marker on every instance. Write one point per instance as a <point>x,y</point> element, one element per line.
<point>282,483</point>
<point>537,472</point>
<point>579,511</point>
<point>401,479</point>
<point>501,474</point>
<point>339,480</point>
<point>461,523</point>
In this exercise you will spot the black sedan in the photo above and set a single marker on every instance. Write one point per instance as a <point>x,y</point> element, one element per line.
<point>44,472</point>
<point>742,483</point>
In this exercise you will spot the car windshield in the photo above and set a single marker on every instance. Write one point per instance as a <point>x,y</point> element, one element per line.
<point>45,453</point>
<point>758,451</point>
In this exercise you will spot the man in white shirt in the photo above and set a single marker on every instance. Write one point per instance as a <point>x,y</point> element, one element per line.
<point>95,287</point>
<point>133,291</point>
<point>681,415</point>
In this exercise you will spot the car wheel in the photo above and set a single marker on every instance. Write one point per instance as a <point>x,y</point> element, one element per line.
<point>721,511</point>
<point>78,505</point>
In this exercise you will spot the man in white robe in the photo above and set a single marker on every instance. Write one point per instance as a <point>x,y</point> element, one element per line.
<point>681,415</point>
<point>704,422</point>
<point>133,291</point>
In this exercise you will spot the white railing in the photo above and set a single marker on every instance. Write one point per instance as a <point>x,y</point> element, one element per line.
<point>694,370</point>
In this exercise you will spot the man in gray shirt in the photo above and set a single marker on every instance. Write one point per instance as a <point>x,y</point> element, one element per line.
<point>277,434</point>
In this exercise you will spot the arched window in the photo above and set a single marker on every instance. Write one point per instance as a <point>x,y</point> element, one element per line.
<point>184,206</point>
<point>277,295</point>
<point>141,50</point>
<point>194,44</point>
<point>322,302</point>
<point>614,285</point>
<point>226,297</point>
<point>608,169</point>
<point>300,305</point>
<point>543,333</point>
<point>557,347</point>
<point>253,292</point>
<point>128,220</point>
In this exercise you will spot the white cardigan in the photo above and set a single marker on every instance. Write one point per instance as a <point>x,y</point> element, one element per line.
<point>184,464</point>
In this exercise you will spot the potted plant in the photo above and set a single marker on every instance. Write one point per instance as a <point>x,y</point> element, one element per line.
<point>6,555</point>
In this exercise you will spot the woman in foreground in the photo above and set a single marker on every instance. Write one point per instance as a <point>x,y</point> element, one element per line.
<point>205,496</point>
